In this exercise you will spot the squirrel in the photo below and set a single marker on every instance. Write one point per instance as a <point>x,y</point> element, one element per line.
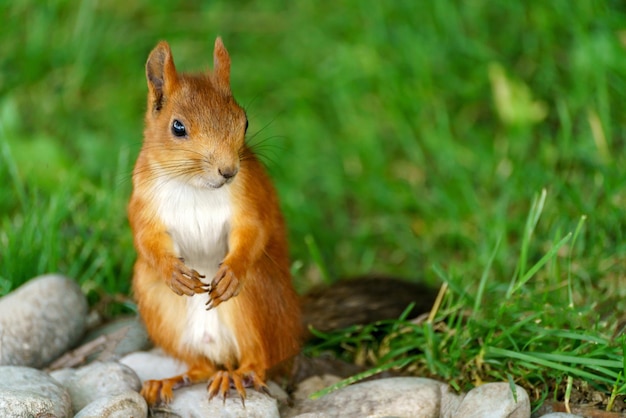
<point>212,279</point>
<point>212,276</point>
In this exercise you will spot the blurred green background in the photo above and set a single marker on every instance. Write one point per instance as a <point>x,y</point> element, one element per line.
<point>401,135</point>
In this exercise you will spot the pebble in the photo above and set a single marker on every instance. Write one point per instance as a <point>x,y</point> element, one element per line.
<point>128,404</point>
<point>398,397</point>
<point>98,381</point>
<point>27,392</point>
<point>494,400</point>
<point>127,335</point>
<point>417,398</point>
<point>193,401</point>
<point>153,364</point>
<point>314,384</point>
<point>41,320</point>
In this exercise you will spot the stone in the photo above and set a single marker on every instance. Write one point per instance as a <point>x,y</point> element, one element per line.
<point>62,375</point>
<point>41,320</point>
<point>277,392</point>
<point>193,401</point>
<point>27,392</point>
<point>314,384</point>
<point>398,397</point>
<point>124,336</point>
<point>153,364</point>
<point>560,415</point>
<point>450,402</point>
<point>100,380</point>
<point>129,404</point>
<point>494,400</point>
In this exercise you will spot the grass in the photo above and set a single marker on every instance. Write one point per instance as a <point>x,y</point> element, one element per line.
<point>478,145</point>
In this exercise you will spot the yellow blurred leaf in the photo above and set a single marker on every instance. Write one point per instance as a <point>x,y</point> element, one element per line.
<point>513,99</point>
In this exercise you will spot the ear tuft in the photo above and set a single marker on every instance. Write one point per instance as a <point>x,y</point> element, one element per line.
<point>160,73</point>
<point>221,65</point>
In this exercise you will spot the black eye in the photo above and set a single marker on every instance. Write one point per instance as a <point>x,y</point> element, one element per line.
<point>178,129</point>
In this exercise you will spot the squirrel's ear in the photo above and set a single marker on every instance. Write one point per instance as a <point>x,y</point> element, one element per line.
<point>221,65</point>
<point>161,74</point>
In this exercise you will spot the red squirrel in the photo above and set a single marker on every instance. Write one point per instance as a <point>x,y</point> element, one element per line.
<point>212,279</point>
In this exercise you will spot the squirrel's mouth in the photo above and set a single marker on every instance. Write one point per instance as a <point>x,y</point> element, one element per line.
<point>217,183</point>
<point>212,182</point>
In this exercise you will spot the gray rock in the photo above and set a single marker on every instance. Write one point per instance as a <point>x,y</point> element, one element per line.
<point>398,397</point>
<point>100,380</point>
<point>450,402</point>
<point>124,336</point>
<point>40,320</point>
<point>129,404</point>
<point>314,384</point>
<point>277,392</point>
<point>62,375</point>
<point>494,400</point>
<point>560,415</point>
<point>26,392</point>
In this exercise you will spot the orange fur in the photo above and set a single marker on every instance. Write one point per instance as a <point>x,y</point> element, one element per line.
<point>207,228</point>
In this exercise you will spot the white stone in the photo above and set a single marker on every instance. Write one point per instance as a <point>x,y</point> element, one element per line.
<point>193,401</point>
<point>153,364</point>
<point>494,400</point>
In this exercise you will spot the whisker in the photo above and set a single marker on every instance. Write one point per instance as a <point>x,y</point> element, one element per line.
<point>181,169</point>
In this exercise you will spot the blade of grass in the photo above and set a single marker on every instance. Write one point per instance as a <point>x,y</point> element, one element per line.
<point>530,358</point>
<point>531,222</point>
<point>360,376</point>
<point>483,278</point>
<point>570,292</point>
<point>316,256</point>
<point>542,261</point>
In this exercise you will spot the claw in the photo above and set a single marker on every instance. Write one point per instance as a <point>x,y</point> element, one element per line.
<point>185,280</point>
<point>157,392</point>
<point>209,304</point>
<point>220,385</point>
<point>224,387</point>
<point>237,381</point>
<point>266,390</point>
<point>214,385</point>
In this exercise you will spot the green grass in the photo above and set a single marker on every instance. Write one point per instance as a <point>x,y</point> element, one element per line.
<point>477,144</point>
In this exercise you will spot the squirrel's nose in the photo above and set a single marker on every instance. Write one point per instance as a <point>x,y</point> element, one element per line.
<point>228,172</point>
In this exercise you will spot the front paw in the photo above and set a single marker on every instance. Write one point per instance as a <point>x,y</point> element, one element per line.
<point>224,286</point>
<point>184,280</point>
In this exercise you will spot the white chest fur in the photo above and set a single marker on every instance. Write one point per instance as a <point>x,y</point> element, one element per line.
<point>198,221</point>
